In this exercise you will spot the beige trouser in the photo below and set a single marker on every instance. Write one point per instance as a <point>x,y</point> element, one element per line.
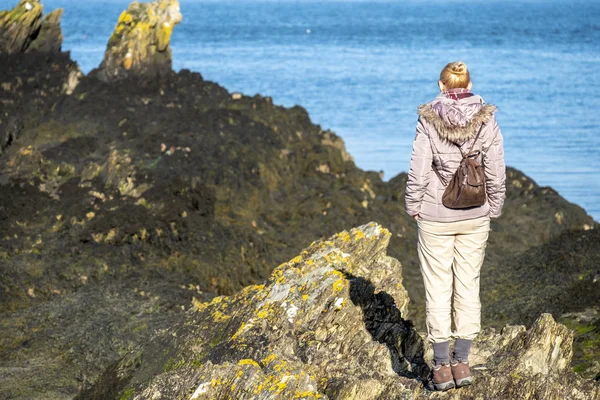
<point>451,255</point>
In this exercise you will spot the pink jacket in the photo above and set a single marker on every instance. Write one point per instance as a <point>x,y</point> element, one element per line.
<point>441,122</point>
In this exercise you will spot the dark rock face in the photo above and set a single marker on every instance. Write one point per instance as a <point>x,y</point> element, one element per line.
<point>558,277</point>
<point>139,46</point>
<point>30,85</point>
<point>23,29</point>
<point>328,324</point>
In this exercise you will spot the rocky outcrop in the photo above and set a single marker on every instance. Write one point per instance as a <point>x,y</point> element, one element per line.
<point>34,72</point>
<point>23,29</point>
<point>49,38</point>
<point>329,324</point>
<point>139,45</point>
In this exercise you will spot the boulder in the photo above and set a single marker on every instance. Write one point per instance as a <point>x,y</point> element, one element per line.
<point>139,45</point>
<point>22,29</point>
<point>329,324</point>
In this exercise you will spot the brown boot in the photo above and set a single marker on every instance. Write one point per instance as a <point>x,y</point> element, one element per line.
<point>461,373</point>
<point>442,377</point>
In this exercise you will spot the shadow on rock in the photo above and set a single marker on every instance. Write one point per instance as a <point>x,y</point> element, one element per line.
<point>383,320</point>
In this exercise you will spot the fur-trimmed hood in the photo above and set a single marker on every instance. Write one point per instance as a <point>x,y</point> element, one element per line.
<point>457,121</point>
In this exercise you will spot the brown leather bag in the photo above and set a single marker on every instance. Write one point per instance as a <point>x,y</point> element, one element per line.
<point>466,189</point>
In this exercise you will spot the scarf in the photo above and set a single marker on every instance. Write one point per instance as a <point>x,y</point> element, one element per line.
<point>458,93</point>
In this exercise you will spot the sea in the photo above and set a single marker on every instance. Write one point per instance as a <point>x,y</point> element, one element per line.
<point>361,68</point>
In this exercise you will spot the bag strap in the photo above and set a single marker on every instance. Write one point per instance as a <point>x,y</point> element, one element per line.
<point>475,141</point>
<point>444,182</point>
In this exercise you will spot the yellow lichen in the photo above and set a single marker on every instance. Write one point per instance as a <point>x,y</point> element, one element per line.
<point>278,387</point>
<point>296,260</point>
<point>198,305</point>
<point>358,234</point>
<point>345,236</point>
<point>239,331</point>
<point>263,313</point>
<point>249,361</point>
<point>269,359</point>
<point>304,395</point>
<point>282,365</point>
<point>335,272</point>
<point>218,316</point>
<point>338,285</point>
<point>216,382</point>
<point>26,151</point>
<point>164,36</point>
<point>125,18</point>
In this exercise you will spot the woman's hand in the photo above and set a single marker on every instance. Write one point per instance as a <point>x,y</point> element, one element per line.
<point>416,217</point>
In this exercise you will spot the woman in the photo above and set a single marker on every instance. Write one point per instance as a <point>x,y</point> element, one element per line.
<point>452,242</point>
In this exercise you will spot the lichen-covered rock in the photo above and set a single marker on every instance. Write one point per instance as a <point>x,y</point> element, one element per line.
<point>139,45</point>
<point>18,26</point>
<point>329,324</point>
<point>22,29</point>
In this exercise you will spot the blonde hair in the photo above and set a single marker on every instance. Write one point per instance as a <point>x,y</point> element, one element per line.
<point>455,75</point>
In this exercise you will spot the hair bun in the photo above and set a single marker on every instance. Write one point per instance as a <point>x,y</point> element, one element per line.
<point>458,68</point>
<point>455,75</point>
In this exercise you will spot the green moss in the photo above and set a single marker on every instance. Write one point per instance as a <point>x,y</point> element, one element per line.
<point>516,376</point>
<point>140,328</point>
<point>586,347</point>
<point>173,365</point>
<point>582,330</point>
<point>16,14</point>
<point>127,394</point>
<point>581,368</point>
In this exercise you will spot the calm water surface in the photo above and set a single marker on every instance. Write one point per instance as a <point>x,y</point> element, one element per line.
<point>362,68</point>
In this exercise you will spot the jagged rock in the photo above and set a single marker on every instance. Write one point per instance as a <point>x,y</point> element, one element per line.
<point>328,321</point>
<point>22,29</point>
<point>50,37</point>
<point>139,45</point>
<point>329,324</point>
<point>18,26</point>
